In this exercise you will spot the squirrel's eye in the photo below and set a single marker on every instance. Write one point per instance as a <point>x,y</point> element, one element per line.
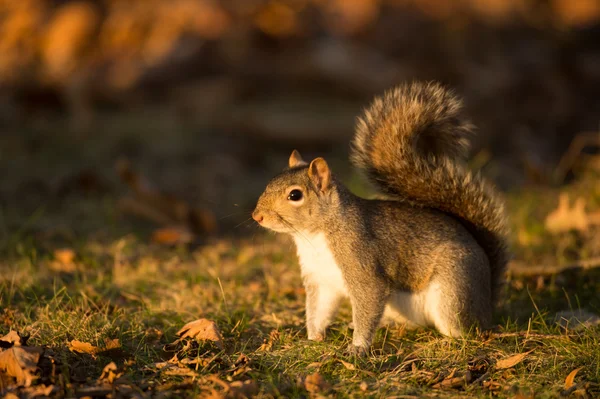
<point>295,195</point>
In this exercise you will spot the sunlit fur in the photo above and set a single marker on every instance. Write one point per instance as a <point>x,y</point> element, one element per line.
<point>433,254</point>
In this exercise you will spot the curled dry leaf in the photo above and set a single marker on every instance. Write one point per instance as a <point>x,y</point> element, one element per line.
<point>20,362</point>
<point>110,373</point>
<point>241,365</point>
<point>12,339</point>
<point>82,347</point>
<point>348,366</point>
<point>454,381</point>
<point>315,383</point>
<point>511,361</point>
<point>202,330</point>
<point>570,380</point>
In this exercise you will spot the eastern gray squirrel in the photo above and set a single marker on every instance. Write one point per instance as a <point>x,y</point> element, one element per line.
<point>432,253</point>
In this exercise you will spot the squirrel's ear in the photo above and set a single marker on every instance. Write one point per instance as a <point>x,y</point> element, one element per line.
<point>320,174</point>
<point>296,160</point>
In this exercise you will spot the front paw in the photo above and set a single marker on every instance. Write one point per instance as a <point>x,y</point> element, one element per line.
<point>358,351</point>
<point>316,336</point>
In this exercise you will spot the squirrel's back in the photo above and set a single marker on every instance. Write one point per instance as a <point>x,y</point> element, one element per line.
<point>412,143</point>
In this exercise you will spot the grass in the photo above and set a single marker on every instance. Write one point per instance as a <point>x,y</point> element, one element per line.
<point>121,285</point>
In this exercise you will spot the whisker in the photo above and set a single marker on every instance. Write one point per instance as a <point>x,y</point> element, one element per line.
<point>239,224</point>
<point>288,224</point>
<point>232,214</point>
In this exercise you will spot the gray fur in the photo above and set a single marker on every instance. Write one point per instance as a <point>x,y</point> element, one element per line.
<point>411,242</point>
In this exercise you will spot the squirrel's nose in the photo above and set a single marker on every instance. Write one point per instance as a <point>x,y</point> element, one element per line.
<point>256,215</point>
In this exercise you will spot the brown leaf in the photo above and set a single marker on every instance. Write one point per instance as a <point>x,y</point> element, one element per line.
<point>109,373</point>
<point>453,381</point>
<point>565,218</point>
<point>112,349</point>
<point>315,383</point>
<point>82,347</point>
<point>111,344</point>
<point>64,261</point>
<point>241,365</point>
<point>268,345</point>
<point>64,255</point>
<point>11,339</point>
<point>348,366</point>
<point>571,378</point>
<point>511,361</point>
<point>202,330</point>
<point>20,362</point>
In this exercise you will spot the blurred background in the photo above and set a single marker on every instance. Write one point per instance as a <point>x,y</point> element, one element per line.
<point>178,111</point>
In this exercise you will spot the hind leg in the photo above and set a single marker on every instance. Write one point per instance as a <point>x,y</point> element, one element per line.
<point>455,312</point>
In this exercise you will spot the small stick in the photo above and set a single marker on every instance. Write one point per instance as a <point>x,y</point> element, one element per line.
<point>523,269</point>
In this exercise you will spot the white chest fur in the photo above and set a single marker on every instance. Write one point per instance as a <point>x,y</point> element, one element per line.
<point>317,262</point>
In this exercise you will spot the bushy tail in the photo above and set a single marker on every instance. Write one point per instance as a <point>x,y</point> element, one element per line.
<point>412,143</point>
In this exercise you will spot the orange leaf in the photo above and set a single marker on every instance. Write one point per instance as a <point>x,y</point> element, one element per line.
<point>571,378</point>
<point>511,361</point>
<point>64,255</point>
<point>203,330</point>
<point>82,347</point>
<point>20,362</point>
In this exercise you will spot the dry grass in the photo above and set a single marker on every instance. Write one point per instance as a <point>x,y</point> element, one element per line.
<point>119,285</point>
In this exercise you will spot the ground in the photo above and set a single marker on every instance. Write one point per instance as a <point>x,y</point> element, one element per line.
<point>90,286</point>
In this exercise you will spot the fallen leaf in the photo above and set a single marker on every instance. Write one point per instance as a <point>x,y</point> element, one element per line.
<point>82,347</point>
<point>268,345</point>
<point>64,255</point>
<point>492,385</point>
<point>64,261</point>
<point>241,365</point>
<point>203,330</point>
<point>20,362</point>
<point>571,378</point>
<point>565,218</point>
<point>315,383</point>
<point>111,344</point>
<point>12,339</point>
<point>511,361</point>
<point>112,349</point>
<point>348,366</point>
<point>109,373</point>
<point>454,381</point>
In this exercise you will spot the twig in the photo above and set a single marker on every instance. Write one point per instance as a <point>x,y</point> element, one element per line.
<point>526,334</point>
<point>567,161</point>
<point>523,269</point>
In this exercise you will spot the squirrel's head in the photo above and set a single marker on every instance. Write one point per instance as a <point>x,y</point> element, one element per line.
<point>297,199</point>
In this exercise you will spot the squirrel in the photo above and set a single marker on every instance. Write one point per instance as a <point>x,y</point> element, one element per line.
<point>432,253</point>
